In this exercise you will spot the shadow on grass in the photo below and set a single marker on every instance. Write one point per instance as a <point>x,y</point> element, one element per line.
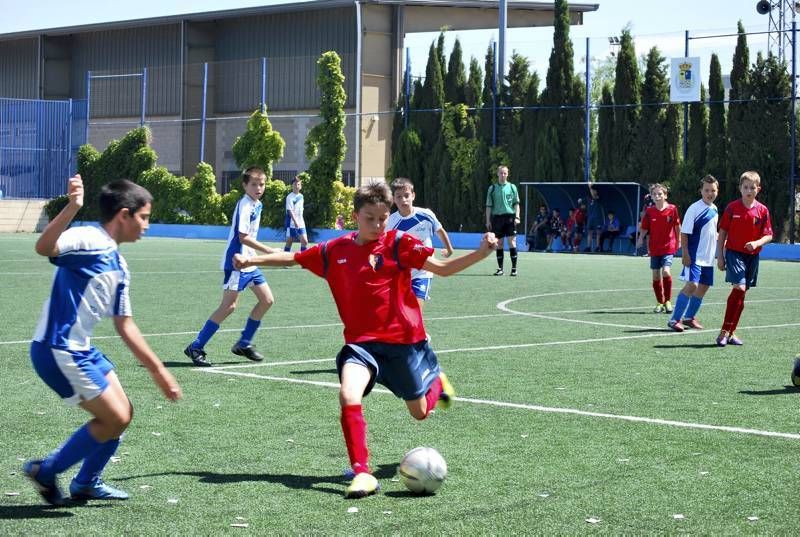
<point>293,481</point>
<point>8,512</point>
<point>189,363</point>
<point>687,346</point>
<point>785,390</point>
<point>618,312</point>
<point>331,371</point>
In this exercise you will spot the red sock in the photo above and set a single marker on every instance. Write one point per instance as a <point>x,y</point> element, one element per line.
<point>659,291</point>
<point>354,428</point>
<point>432,397</point>
<point>738,313</point>
<point>733,309</point>
<point>666,282</point>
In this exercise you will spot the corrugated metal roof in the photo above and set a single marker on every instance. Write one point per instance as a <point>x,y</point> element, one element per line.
<point>290,7</point>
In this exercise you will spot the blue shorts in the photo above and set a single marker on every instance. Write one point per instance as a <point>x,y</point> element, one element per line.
<point>407,370</point>
<point>239,281</point>
<point>295,232</point>
<point>741,269</point>
<point>659,261</point>
<point>421,287</point>
<point>697,274</point>
<point>75,376</point>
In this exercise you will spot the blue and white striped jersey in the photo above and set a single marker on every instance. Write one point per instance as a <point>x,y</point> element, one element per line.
<point>294,205</point>
<point>700,223</point>
<point>246,219</point>
<point>91,282</point>
<point>422,224</point>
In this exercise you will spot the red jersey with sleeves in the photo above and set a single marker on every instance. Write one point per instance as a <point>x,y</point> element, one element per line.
<point>660,225</point>
<point>744,225</point>
<point>371,285</point>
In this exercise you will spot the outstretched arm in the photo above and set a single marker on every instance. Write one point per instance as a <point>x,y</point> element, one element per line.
<point>446,267</point>
<point>247,240</point>
<point>275,259</point>
<point>46,245</point>
<point>130,334</point>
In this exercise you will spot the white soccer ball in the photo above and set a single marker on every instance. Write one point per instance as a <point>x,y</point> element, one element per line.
<point>423,470</point>
<point>796,371</point>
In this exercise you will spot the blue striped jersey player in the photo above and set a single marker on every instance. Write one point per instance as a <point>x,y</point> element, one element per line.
<point>91,282</point>
<point>422,224</point>
<point>242,240</point>
<point>295,224</point>
<point>699,251</point>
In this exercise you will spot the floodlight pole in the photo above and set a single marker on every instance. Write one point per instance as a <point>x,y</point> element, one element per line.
<point>792,169</point>
<point>144,96</point>
<point>587,116</point>
<point>263,85</point>
<point>407,87</point>
<point>502,24</point>
<point>88,102</point>
<point>203,119</point>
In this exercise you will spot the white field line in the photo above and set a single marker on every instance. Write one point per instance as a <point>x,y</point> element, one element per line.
<point>535,408</point>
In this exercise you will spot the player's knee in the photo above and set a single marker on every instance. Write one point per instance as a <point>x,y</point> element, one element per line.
<point>418,414</point>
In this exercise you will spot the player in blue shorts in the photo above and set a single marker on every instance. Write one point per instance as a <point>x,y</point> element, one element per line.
<point>422,224</point>
<point>241,240</point>
<point>295,224</point>
<point>91,282</point>
<point>699,251</point>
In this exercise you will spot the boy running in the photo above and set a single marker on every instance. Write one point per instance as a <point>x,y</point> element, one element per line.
<point>241,240</point>
<point>744,228</point>
<point>91,282</point>
<point>422,224</point>
<point>662,224</point>
<point>369,274</point>
<point>699,249</point>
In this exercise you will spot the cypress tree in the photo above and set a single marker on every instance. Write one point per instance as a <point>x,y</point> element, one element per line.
<point>717,142</point>
<point>738,128</point>
<point>455,81</point>
<point>440,55</point>
<point>672,135</point>
<point>650,146</point>
<point>525,159</point>
<point>429,123</point>
<point>697,142</point>
<point>605,136</point>
<point>488,97</point>
<point>472,92</point>
<point>626,114</point>
<point>513,93</point>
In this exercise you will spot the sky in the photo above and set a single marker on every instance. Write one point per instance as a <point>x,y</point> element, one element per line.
<point>652,23</point>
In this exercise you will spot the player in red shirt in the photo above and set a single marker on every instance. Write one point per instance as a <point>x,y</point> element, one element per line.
<point>662,223</point>
<point>369,274</point>
<point>744,228</point>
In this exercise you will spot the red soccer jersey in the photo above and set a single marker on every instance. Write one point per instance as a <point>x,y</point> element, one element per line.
<point>371,285</point>
<point>744,225</point>
<point>662,238</point>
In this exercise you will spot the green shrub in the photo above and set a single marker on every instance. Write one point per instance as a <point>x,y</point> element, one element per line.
<point>259,145</point>
<point>170,196</point>
<point>274,199</point>
<point>204,204</point>
<point>342,204</point>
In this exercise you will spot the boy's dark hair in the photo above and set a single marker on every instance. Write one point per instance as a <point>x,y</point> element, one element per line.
<point>710,179</point>
<point>401,182</point>
<point>122,194</point>
<point>610,213</point>
<point>296,179</point>
<point>543,206</point>
<point>377,192</point>
<point>251,172</point>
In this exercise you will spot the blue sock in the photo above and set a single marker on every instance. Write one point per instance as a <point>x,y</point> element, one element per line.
<point>93,464</point>
<point>78,446</point>
<point>208,330</point>
<point>287,248</point>
<point>680,306</point>
<point>249,331</point>
<point>694,307</point>
<point>303,248</point>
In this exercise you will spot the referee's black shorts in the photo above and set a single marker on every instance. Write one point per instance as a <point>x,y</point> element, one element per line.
<point>503,225</point>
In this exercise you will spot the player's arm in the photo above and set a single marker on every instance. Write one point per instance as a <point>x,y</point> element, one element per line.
<point>686,259</point>
<point>46,245</point>
<point>446,267</point>
<point>445,238</point>
<point>292,217</point>
<point>247,240</point>
<point>753,245</point>
<point>488,218</point>
<point>133,338</point>
<point>723,236</point>
<point>277,258</point>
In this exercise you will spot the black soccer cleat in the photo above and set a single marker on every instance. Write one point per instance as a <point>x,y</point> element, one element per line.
<point>248,351</point>
<point>796,371</point>
<point>498,272</point>
<point>47,489</point>
<point>198,356</point>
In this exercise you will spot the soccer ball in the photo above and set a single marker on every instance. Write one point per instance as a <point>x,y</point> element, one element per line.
<point>796,371</point>
<point>423,470</point>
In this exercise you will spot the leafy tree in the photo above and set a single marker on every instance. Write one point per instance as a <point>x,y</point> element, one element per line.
<point>717,140</point>
<point>627,96</point>
<point>485,125</point>
<point>524,150</point>
<point>408,158</point>
<point>672,135</point>
<point>605,136</point>
<point>649,155</point>
<point>259,145</point>
<point>455,81</point>
<point>326,142</point>
<point>513,94</point>
<point>472,91</point>
<point>697,139</point>
<point>738,127</point>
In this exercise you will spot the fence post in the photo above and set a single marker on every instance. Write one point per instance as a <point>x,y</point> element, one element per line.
<point>685,104</point>
<point>792,171</point>
<point>587,130</point>
<point>203,119</point>
<point>494,96</point>
<point>144,96</point>
<point>407,86</point>
<point>88,102</point>
<point>69,137</point>
<point>263,85</point>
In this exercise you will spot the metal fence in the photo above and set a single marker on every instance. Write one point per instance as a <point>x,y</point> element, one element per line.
<point>39,141</point>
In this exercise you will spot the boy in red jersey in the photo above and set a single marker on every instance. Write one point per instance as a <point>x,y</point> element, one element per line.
<point>369,274</point>
<point>744,228</point>
<point>662,224</point>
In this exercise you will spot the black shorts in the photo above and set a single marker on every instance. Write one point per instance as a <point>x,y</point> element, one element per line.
<point>503,225</point>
